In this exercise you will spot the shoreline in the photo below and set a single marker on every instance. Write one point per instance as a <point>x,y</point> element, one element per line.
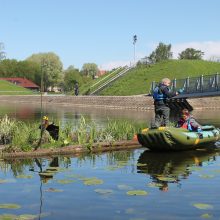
<point>136,102</point>
<point>74,150</point>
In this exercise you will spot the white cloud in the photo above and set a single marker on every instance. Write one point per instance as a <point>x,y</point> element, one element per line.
<point>211,49</point>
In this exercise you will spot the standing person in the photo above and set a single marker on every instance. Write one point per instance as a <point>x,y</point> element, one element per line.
<point>76,89</point>
<point>162,110</point>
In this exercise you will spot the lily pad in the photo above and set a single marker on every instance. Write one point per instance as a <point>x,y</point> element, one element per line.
<point>141,164</point>
<point>124,187</point>
<point>137,193</point>
<point>206,215</point>
<point>167,179</point>
<point>206,176</point>
<point>3,181</point>
<point>93,181</point>
<point>9,206</point>
<point>194,168</point>
<point>53,190</point>
<point>155,184</point>
<point>104,191</point>
<point>27,217</point>
<point>24,176</point>
<point>65,181</point>
<point>202,206</point>
<point>8,217</point>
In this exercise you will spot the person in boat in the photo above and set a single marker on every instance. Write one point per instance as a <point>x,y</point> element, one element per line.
<point>188,122</point>
<point>51,128</point>
<point>161,95</point>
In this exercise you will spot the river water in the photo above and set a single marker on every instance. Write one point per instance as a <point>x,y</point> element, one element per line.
<point>135,184</point>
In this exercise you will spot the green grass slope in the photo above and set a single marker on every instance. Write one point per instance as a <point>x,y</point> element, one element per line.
<point>138,80</point>
<point>7,88</point>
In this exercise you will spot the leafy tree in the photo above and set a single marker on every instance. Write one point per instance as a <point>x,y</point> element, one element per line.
<point>191,54</point>
<point>90,69</point>
<point>51,68</point>
<point>26,69</point>
<point>162,52</point>
<point>71,76</point>
<point>2,53</point>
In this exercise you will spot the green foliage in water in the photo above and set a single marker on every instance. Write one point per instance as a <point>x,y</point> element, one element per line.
<point>20,136</point>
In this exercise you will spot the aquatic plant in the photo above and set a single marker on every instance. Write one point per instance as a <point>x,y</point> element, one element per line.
<point>21,136</point>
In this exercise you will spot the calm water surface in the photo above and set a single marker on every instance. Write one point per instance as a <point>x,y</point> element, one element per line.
<point>175,185</point>
<point>183,185</point>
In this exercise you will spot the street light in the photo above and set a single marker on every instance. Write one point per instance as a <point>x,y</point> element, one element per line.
<point>134,42</point>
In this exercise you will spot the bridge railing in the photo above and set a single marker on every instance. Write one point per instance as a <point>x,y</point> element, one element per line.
<point>201,84</point>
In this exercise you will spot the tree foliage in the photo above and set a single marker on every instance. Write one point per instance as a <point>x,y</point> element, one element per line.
<point>89,69</point>
<point>71,77</point>
<point>24,69</point>
<point>51,68</point>
<point>162,52</point>
<point>191,54</point>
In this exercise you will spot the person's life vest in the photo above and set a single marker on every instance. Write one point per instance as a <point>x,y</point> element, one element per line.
<point>187,125</point>
<point>158,95</point>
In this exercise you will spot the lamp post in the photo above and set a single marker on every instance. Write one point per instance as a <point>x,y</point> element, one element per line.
<point>134,42</point>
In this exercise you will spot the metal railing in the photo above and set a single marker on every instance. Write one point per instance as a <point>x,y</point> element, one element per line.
<point>195,86</point>
<point>111,80</point>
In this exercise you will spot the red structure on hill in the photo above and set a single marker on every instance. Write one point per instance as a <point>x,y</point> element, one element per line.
<point>26,83</point>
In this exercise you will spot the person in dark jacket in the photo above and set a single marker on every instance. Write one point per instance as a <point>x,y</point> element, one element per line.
<point>51,128</point>
<point>161,96</point>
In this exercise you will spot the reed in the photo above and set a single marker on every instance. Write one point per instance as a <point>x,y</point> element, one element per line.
<point>21,136</point>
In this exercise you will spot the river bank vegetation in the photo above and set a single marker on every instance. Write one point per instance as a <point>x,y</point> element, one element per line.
<point>19,136</point>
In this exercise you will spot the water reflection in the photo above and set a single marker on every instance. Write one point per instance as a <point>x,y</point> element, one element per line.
<point>171,167</point>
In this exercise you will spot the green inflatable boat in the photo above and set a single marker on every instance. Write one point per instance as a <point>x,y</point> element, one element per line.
<point>178,139</point>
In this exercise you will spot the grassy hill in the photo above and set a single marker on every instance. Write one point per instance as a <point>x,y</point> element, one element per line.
<point>7,88</point>
<point>138,80</point>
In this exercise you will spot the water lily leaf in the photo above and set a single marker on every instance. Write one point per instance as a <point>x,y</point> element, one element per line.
<point>27,217</point>
<point>137,193</point>
<point>8,217</point>
<point>122,163</point>
<point>155,184</point>
<point>77,176</point>
<point>217,171</point>
<point>22,176</point>
<point>130,211</point>
<point>167,179</point>
<point>9,206</point>
<point>104,191</point>
<point>206,176</point>
<point>3,181</point>
<point>141,164</point>
<point>206,215</point>
<point>46,174</point>
<point>54,169</point>
<point>124,187</point>
<point>66,181</point>
<point>53,190</point>
<point>202,206</point>
<point>115,167</point>
<point>194,168</point>
<point>93,181</point>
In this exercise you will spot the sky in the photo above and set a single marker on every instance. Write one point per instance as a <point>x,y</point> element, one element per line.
<point>101,31</point>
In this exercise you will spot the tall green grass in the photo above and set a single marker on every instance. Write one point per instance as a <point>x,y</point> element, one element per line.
<point>20,136</point>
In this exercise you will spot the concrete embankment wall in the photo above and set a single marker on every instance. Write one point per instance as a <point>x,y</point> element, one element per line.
<point>121,102</point>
